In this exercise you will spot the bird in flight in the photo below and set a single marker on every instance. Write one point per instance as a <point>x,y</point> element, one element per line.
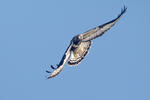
<point>80,45</point>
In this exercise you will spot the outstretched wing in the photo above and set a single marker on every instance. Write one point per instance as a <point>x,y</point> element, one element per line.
<point>62,62</point>
<point>98,31</point>
<point>79,53</point>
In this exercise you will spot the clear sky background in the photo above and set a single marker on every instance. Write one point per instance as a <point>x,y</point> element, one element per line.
<point>35,33</point>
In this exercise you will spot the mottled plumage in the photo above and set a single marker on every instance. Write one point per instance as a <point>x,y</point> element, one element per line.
<point>79,53</point>
<point>80,45</point>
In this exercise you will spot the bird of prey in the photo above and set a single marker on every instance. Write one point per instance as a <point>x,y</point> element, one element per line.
<point>80,45</point>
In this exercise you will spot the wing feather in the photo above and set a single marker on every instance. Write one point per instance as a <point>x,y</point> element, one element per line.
<point>98,31</point>
<point>62,62</point>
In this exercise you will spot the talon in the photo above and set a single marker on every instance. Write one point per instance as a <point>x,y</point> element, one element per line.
<point>48,71</point>
<point>53,67</point>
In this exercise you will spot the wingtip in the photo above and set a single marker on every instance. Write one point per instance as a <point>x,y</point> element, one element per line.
<point>124,9</point>
<point>52,75</point>
<point>49,77</point>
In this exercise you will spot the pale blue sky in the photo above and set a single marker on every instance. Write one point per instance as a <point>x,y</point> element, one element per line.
<point>35,33</point>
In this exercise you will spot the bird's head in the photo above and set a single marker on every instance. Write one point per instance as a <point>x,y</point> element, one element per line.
<point>77,39</point>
